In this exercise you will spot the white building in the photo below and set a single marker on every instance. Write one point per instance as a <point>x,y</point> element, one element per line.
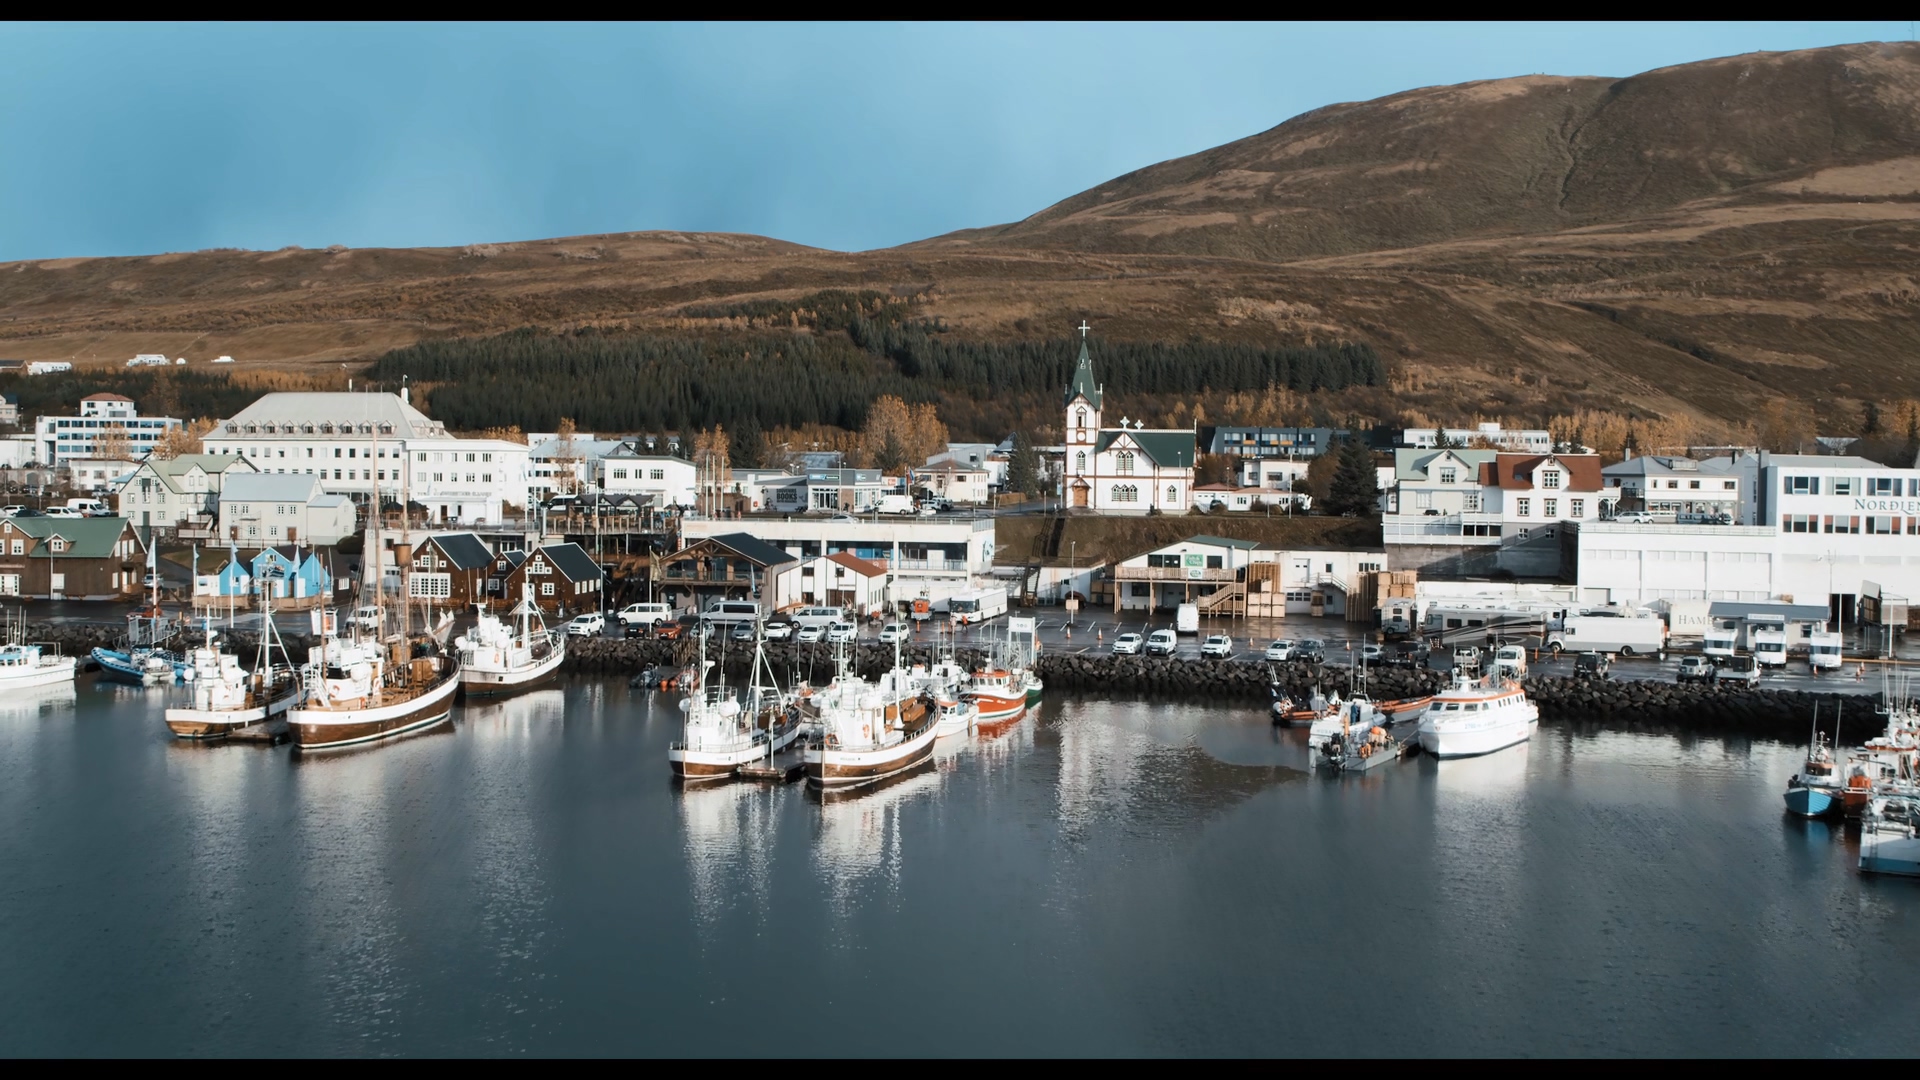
<point>667,480</point>
<point>1527,491</point>
<point>99,475</point>
<point>171,491</point>
<point>1437,499</point>
<point>980,456</point>
<point>1825,530</point>
<point>265,509</point>
<point>104,418</point>
<point>48,367</point>
<point>1526,441</point>
<point>1127,469</point>
<point>355,443</point>
<point>955,480</point>
<point>557,466</point>
<point>1680,489</point>
<point>931,557</point>
<point>1279,474</point>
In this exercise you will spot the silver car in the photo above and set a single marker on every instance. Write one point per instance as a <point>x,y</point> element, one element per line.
<point>841,632</point>
<point>1281,650</point>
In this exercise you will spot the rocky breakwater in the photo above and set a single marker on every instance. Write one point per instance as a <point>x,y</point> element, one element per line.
<point>813,661</point>
<point>1783,714</point>
<point>74,639</point>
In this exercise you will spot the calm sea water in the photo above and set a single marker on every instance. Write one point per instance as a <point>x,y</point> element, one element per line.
<point>1109,877</point>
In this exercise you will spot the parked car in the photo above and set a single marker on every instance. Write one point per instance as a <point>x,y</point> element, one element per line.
<point>1694,669</point>
<point>1372,654</point>
<point>1128,645</point>
<point>1217,647</point>
<point>592,624</point>
<point>808,633</point>
<point>1409,654</point>
<point>678,628</point>
<point>1162,643</point>
<point>1312,650</point>
<point>1738,669</point>
<point>1634,517</point>
<point>10,511</point>
<point>1591,665</point>
<point>841,632</point>
<point>745,631</point>
<point>645,615</point>
<point>1281,650</point>
<point>63,512</point>
<point>779,629</point>
<point>894,633</point>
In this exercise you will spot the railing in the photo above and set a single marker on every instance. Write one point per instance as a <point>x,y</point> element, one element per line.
<point>1174,573</point>
<point>924,564</point>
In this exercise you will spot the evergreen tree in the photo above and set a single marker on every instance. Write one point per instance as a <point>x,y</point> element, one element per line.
<point>1023,466</point>
<point>1911,459</point>
<point>749,449</point>
<point>1869,420</point>
<point>891,455</point>
<point>1353,488</point>
<point>1440,440</point>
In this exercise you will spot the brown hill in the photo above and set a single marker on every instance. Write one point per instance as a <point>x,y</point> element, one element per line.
<point>1689,241</point>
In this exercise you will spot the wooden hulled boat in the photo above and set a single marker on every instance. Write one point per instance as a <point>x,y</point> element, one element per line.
<point>998,694</point>
<point>498,657</point>
<point>869,731</point>
<point>723,733</point>
<point>366,692</point>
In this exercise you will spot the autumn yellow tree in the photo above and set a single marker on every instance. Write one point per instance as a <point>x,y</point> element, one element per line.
<point>900,436</point>
<point>188,438</point>
<point>112,443</point>
<point>566,456</point>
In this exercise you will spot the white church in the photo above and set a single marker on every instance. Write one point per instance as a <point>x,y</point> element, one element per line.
<point>1129,469</point>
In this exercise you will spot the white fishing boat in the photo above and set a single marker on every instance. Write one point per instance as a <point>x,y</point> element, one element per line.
<point>500,657</point>
<point>24,665</point>
<point>1340,719</point>
<point>998,694</point>
<point>868,731</point>
<point>226,696</point>
<point>721,733</point>
<point>1890,836</point>
<point>1477,716</point>
<point>944,684</point>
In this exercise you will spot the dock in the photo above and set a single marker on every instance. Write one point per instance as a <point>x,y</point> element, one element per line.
<point>271,733</point>
<point>785,768</point>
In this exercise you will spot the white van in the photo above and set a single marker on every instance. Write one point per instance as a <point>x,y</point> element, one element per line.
<point>732,611</point>
<point>818,616</point>
<point>894,504</point>
<point>645,614</point>
<point>89,507</point>
<point>1187,619</point>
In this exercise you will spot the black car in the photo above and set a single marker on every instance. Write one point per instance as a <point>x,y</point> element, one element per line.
<point>1591,665</point>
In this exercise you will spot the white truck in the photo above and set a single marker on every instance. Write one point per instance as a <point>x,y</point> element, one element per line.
<point>1609,634</point>
<point>977,605</point>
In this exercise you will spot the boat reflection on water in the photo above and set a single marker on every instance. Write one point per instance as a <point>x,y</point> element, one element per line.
<point>38,701</point>
<point>515,715</point>
<point>858,835</point>
<point>1501,773</point>
<point>728,831</point>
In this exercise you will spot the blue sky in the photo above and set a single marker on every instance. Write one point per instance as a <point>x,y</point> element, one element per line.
<point>120,140</point>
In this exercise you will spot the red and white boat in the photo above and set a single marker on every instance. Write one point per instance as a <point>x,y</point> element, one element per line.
<point>999,695</point>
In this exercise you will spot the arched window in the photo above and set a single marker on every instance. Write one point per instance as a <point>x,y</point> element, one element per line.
<point>1080,418</point>
<point>1125,493</point>
<point>1173,494</point>
<point>1123,462</point>
<point>1080,463</point>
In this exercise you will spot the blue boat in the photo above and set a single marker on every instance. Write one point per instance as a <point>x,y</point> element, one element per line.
<point>1816,790</point>
<point>138,667</point>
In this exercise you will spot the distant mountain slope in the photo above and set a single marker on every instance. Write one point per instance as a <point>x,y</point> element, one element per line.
<point>1502,157</point>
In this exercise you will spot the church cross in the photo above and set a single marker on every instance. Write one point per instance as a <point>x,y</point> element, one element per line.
<point>1083,329</point>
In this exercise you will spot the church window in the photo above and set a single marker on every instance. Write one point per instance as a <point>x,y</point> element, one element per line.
<point>1125,493</point>
<point>1173,494</point>
<point>1123,462</point>
<point>1080,418</point>
<point>1080,463</point>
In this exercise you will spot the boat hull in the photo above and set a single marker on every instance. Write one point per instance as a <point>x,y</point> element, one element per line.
<point>329,729</point>
<point>829,768</point>
<point>219,723</point>
<point>48,674</point>
<point>122,668</point>
<point>483,682</point>
<point>999,708</point>
<point>1895,852</point>
<point>1446,743</point>
<point>1811,802</point>
<point>698,765</point>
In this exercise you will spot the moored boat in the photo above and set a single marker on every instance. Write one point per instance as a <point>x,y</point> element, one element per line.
<point>499,657</point>
<point>869,731</point>
<point>1815,790</point>
<point>998,696</point>
<point>227,697</point>
<point>360,692</point>
<point>721,733</point>
<point>23,666</point>
<point>1477,716</point>
<point>1890,836</point>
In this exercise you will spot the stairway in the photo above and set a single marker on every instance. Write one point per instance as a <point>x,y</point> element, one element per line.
<point>1224,596</point>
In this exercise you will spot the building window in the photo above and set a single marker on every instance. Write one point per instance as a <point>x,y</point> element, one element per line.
<point>1843,523</point>
<point>1800,485</point>
<point>1080,418</point>
<point>1470,502</point>
<point>1799,523</point>
<point>1579,508</point>
<point>1522,507</point>
<point>1883,485</point>
<point>1883,526</point>
<point>1446,476</point>
<point>1125,493</point>
<point>1173,494</point>
<point>1141,588</point>
<point>1550,481</point>
<point>1552,507</point>
<point>546,588</point>
<point>1846,485</point>
<point>1693,485</point>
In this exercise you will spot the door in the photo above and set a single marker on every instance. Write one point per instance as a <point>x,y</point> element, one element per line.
<point>58,586</point>
<point>9,584</point>
<point>1080,494</point>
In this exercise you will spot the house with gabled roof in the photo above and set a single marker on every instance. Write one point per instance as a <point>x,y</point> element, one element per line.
<point>1129,469</point>
<point>451,570</point>
<point>179,491</point>
<point>264,509</point>
<point>1531,490</point>
<point>48,558</point>
<point>729,566</point>
<point>562,579</point>
<point>1202,569</point>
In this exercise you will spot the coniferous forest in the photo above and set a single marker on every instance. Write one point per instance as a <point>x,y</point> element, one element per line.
<point>822,360</point>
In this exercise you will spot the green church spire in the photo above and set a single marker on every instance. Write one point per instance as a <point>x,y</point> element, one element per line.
<point>1083,373</point>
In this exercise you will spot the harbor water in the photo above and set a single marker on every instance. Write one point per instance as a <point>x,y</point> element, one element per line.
<point>1104,878</point>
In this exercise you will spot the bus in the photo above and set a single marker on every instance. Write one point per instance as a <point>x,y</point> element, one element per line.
<point>977,605</point>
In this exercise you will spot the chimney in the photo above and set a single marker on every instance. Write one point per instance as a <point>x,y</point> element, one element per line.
<point>405,397</point>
